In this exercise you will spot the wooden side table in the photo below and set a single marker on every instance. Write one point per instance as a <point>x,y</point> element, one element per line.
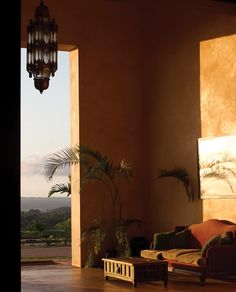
<point>136,269</point>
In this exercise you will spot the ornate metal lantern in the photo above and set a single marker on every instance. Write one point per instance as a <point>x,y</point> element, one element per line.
<point>42,47</point>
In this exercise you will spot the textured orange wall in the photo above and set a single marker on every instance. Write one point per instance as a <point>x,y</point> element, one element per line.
<point>171,34</point>
<point>218,106</point>
<point>140,94</point>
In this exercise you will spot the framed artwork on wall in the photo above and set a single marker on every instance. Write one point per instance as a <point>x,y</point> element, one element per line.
<point>217,167</point>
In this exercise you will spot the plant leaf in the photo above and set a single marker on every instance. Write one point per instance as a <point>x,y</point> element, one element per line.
<point>181,175</point>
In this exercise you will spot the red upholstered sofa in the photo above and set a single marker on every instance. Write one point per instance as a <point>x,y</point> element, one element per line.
<point>218,259</point>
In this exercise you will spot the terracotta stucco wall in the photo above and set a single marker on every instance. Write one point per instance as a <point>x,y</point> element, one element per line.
<point>171,35</point>
<point>140,94</point>
<point>218,106</point>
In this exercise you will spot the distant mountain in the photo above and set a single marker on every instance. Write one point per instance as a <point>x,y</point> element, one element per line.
<point>44,203</point>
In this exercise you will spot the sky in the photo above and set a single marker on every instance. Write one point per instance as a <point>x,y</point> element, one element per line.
<point>45,126</point>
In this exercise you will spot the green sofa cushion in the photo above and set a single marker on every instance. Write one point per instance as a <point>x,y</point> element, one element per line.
<point>182,239</point>
<point>163,241</point>
<point>170,240</point>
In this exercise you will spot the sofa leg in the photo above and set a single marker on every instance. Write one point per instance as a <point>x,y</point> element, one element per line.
<point>202,280</point>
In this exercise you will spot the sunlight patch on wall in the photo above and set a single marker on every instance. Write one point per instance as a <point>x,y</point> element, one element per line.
<point>218,109</point>
<point>218,86</point>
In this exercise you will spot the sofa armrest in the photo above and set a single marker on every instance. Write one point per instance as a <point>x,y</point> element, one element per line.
<point>221,258</point>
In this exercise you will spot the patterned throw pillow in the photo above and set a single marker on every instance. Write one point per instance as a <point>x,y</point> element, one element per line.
<point>193,258</point>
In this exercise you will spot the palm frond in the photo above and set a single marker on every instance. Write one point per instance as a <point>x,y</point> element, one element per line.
<point>103,163</point>
<point>216,159</point>
<point>121,233</point>
<point>178,173</point>
<point>182,176</point>
<point>95,235</point>
<point>123,247</point>
<point>218,166</point>
<point>91,174</point>
<point>218,169</point>
<point>214,174</point>
<point>90,260</point>
<point>61,189</point>
<point>59,160</point>
<point>85,150</point>
<point>96,225</point>
<point>86,154</point>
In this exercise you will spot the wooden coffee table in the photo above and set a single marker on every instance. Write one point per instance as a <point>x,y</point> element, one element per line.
<point>136,269</point>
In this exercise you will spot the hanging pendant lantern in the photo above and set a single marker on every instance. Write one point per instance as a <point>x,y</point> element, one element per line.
<point>42,47</point>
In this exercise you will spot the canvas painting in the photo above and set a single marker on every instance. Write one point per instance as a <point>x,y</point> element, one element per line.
<point>217,167</point>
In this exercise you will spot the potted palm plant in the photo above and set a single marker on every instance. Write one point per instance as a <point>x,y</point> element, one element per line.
<point>95,166</point>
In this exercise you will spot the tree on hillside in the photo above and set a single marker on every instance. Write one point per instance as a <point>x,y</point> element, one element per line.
<point>66,227</point>
<point>27,217</point>
<point>37,228</point>
<point>50,218</point>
